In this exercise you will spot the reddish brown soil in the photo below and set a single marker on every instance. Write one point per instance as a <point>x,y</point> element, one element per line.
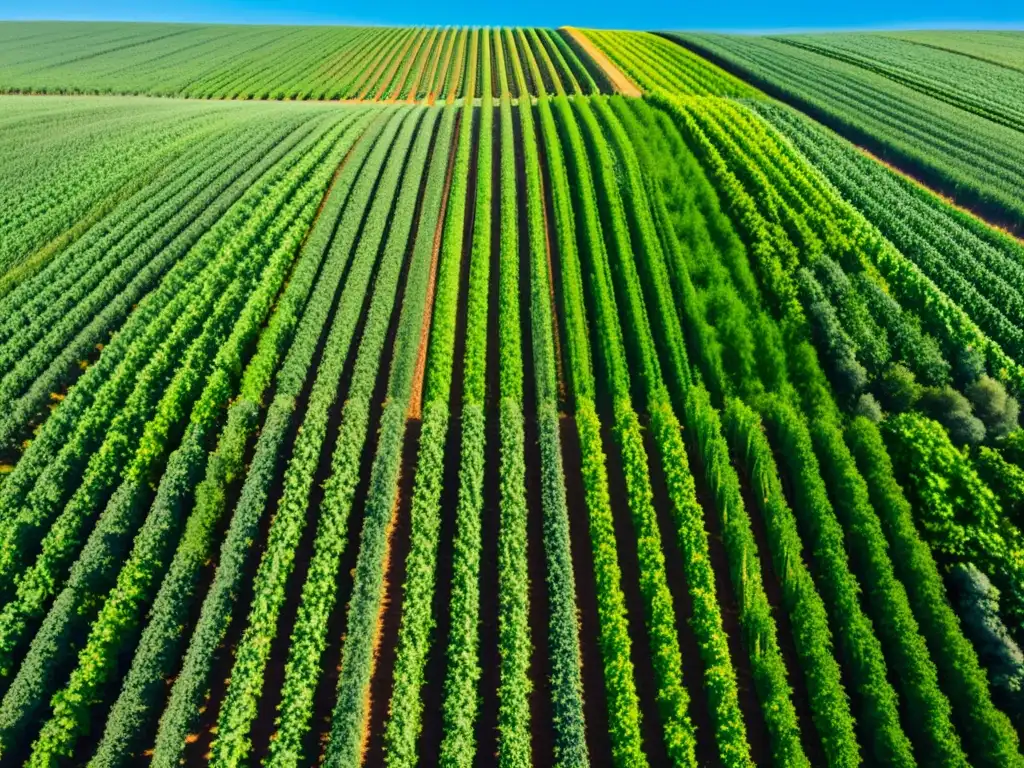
<point>414,43</point>
<point>692,663</point>
<point>390,619</point>
<point>434,674</point>
<point>907,173</point>
<point>487,720</point>
<point>643,660</point>
<point>375,70</point>
<point>542,731</point>
<point>460,61</point>
<point>399,527</point>
<point>416,395</point>
<point>431,62</point>
<point>750,704</point>
<point>795,674</point>
<point>439,65</point>
<point>595,712</point>
<point>621,83</point>
<point>421,40</point>
<point>263,725</point>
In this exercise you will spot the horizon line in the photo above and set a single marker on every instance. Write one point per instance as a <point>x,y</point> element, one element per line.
<point>909,26</point>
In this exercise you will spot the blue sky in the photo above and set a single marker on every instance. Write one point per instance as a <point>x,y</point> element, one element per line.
<point>753,15</point>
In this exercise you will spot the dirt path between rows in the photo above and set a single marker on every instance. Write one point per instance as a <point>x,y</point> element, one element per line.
<point>907,173</point>
<point>416,395</point>
<point>620,82</point>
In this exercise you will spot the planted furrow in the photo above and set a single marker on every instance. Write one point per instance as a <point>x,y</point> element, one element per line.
<point>318,594</point>
<point>414,638</point>
<point>232,744</point>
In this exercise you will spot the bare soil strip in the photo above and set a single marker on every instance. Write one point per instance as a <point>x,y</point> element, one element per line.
<point>416,395</point>
<point>651,729</point>
<point>595,712</point>
<point>263,724</point>
<point>425,74</point>
<point>907,172</point>
<point>389,621</point>
<point>385,73</point>
<point>794,671</point>
<point>620,82</point>
<point>397,546</point>
<point>541,728</point>
<point>490,659</point>
<point>414,55</point>
<point>460,63</point>
<point>692,663</point>
<point>444,51</point>
<point>434,674</point>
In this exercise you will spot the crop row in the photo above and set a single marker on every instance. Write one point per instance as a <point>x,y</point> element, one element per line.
<point>269,248</point>
<point>239,707</point>
<point>659,65</point>
<point>226,468</point>
<point>291,327</point>
<point>904,648</point>
<point>961,151</point>
<point>321,63</point>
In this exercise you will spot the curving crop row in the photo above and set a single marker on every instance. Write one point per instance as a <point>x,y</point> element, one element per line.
<point>983,279</point>
<point>953,328</point>
<point>111,379</point>
<point>959,150</point>
<point>123,225</point>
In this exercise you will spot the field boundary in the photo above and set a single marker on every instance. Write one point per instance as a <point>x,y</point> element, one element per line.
<point>620,83</point>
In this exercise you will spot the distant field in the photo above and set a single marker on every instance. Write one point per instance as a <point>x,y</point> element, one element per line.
<point>195,61</point>
<point>532,397</point>
<point>1006,48</point>
<point>958,121</point>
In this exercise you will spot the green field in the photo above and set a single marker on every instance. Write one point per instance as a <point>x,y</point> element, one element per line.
<point>492,415</point>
